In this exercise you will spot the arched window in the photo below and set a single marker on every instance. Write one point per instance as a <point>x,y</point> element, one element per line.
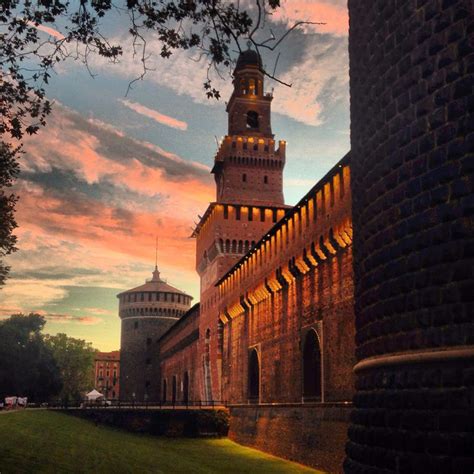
<point>252,120</point>
<point>252,87</point>
<point>173,393</point>
<point>163,398</point>
<point>186,387</point>
<point>311,366</point>
<point>253,376</point>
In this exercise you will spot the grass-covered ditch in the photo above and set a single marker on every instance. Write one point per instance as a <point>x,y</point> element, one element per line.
<point>41,441</point>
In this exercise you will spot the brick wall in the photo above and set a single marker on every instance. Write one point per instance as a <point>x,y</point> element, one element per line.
<point>298,276</point>
<point>139,367</point>
<point>178,354</point>
<point>308,434</point>
<point>411,78</point>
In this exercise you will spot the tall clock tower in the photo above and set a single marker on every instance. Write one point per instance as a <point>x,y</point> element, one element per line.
<point>248,169</point>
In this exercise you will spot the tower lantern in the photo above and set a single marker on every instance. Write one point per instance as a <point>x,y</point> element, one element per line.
<point>249,106</point>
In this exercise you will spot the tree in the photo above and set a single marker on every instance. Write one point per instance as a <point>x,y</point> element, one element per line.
<point>27,365</point>
<point>75,358</point>
<point>211,27</point>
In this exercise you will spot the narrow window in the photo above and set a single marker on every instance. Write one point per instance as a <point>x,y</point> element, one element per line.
<point>135,325</point>
<point>265,179</point>
<point>163,398</point>
<point>262,214</point>
<point>244,177</point>
<point>173,393</point>
<point>237,213</point>
<point>226,212</point>
<point>311,366</point>
<point>186,387</point>
<point>250,214</point>
<point>252,86</point>
<point>253,376</point>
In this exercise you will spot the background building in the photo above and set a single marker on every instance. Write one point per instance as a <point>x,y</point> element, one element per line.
<point>107,374</point>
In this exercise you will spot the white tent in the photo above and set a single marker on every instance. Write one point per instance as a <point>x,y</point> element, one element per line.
<point>94,395</point>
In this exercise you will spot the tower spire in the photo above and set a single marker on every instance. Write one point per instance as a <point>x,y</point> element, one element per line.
<point>156,273</point>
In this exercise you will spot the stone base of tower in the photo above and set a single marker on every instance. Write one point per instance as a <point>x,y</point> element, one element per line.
<point>314,435</point>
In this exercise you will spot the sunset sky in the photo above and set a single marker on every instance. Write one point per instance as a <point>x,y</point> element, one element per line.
<point>110,172</point>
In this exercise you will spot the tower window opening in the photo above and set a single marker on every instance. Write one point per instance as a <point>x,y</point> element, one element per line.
<point>252,87</point>
<point>245,145</point>
<point>135,325</point>
<point>250,215</point>
<point>226,212</point>
<point>142,296</point>
<point>234,144</point>
<point>243,87</point>
<point>244,177</point>
<point>262,215</point>
<point>265,179</point>
<point>237,213</point>
<point>266,148</point>
<point>255,147</point>
<point>252,120</point>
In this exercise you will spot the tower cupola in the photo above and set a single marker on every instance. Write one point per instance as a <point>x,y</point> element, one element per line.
<point>249,106</point>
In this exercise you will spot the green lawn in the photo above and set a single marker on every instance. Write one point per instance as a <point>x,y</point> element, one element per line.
<point>43,441</point>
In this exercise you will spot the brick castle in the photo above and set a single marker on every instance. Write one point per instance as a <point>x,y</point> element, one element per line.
<point>292,326</point>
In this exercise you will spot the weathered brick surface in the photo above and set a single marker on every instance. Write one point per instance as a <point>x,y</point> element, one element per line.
<point>311,434</point>
<point>411,80</point>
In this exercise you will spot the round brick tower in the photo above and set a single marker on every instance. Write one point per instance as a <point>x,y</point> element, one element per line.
<point>411,80</point>
<point>147,312</point>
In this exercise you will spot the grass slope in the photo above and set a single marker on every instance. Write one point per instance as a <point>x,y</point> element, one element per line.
<point>47,442</point>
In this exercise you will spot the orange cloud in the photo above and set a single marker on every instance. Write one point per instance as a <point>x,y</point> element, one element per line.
<point>333,14</point>
<point>155,115</point>
<point>46,29</point>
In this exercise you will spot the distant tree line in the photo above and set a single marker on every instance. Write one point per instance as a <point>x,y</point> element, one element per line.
<point>40,366</point>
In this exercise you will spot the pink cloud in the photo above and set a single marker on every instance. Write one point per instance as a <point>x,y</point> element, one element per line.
<point>155,115</point>
<point>67,319</point>
<point>46,29</point>
<point>333,14</point>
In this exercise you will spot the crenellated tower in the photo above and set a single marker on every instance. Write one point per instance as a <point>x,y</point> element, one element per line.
<point>248,170</point>
<point>147,312</point>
